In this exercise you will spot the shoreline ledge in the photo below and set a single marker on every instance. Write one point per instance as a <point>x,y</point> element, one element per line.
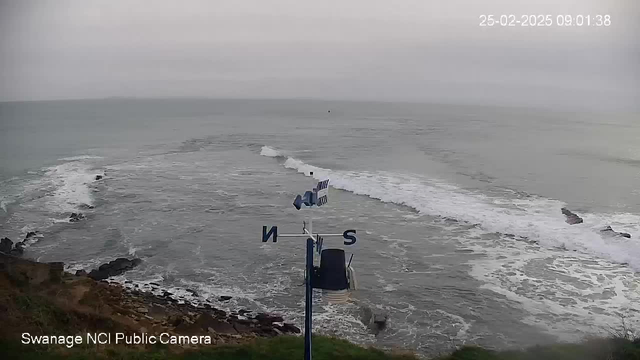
<point>76,304</point>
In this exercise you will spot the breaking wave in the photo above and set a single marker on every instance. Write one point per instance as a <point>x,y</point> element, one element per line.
<point>65,187</point>
<point>535,218</point>
<point>80,157</point>
<point>270,152</point>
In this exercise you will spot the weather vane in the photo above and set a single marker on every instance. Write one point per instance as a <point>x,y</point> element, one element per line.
<point>333,276</point>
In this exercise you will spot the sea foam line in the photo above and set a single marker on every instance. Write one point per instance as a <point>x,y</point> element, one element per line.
<point>536,218</point>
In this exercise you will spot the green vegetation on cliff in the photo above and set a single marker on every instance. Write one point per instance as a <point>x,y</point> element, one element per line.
<point>41,300</point>
<point>325,348</point>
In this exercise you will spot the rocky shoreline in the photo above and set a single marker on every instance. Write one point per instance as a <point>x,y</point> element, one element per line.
<point>129,310</point>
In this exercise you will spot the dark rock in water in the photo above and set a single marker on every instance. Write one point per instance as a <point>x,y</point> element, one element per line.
<point>380,321</point>
<point>81,273</point>
<point>5,245</point>
<point>219,313</point>
<point>30,234</point>
<point>99,177</point>
<point>609,231</point>
<point>86,206</point>
<point>572,218</point>
<point>192,292</point>
<point>114,268</point>
<point>224,298</point>
<point>76,217</point>
<point>18,249</point>
<point>375,320</point>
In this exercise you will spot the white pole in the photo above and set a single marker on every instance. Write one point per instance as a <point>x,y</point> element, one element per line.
<point>309,210</point>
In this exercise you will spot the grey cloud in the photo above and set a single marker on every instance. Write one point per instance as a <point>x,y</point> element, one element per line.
<point>371,50</point>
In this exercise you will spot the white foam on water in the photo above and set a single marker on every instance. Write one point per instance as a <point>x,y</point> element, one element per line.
<point>458,322</point>
<point>67,186</point>
<point>535,218</point>
<point>568,294</point>
<point>3,205</point>
<point>341,320</point>
<point>270,152</point>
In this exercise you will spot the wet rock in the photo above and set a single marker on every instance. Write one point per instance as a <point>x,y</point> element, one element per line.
<point>30,234</point>
<point>81,272</point>
<point>99,177</point>
<point>192,292</point>
<point>18,249</point>
<point>380,321</point>
<point>375,320</point>
<point>224,298</point>
<point>142,310</point>
<point>609,231</point>
<point>267,319</point>
<point>571,218</point>
<point>114,268</point>
<point>86,206</point>
<point>5,245</point>
<point>75,217</point>
<point>290,328</point>
<point>219,313</point>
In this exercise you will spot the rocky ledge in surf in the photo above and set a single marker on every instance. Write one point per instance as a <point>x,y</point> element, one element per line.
<point>113,268</point>
<point>572,218</point>
<point>375,320</point>
<point>75,217</point>
<point>98,306</point>
<point>7,246</point>
<point>609,231</point>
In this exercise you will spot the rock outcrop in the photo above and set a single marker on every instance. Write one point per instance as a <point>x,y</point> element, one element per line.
<point>23,271</point>
<point>5,245</point>
<point>8,247</point>
<point>609,231</point>
<point>75,217</point>
<point>375,320</point>
<point>110,307</point>
<point>18,249</point>
<point>572,218</point>
<point>114,268</point>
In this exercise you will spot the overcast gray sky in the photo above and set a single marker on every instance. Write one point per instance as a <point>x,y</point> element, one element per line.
<point>349,49</point>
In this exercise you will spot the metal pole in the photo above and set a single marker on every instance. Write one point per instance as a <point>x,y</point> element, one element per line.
<point>308,310</point>
<point>308,301</point>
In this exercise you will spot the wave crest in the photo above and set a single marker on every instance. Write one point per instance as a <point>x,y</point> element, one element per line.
<point>535,218</point>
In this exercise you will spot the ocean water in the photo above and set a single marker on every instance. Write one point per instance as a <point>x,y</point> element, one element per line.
<point>460,235</point>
